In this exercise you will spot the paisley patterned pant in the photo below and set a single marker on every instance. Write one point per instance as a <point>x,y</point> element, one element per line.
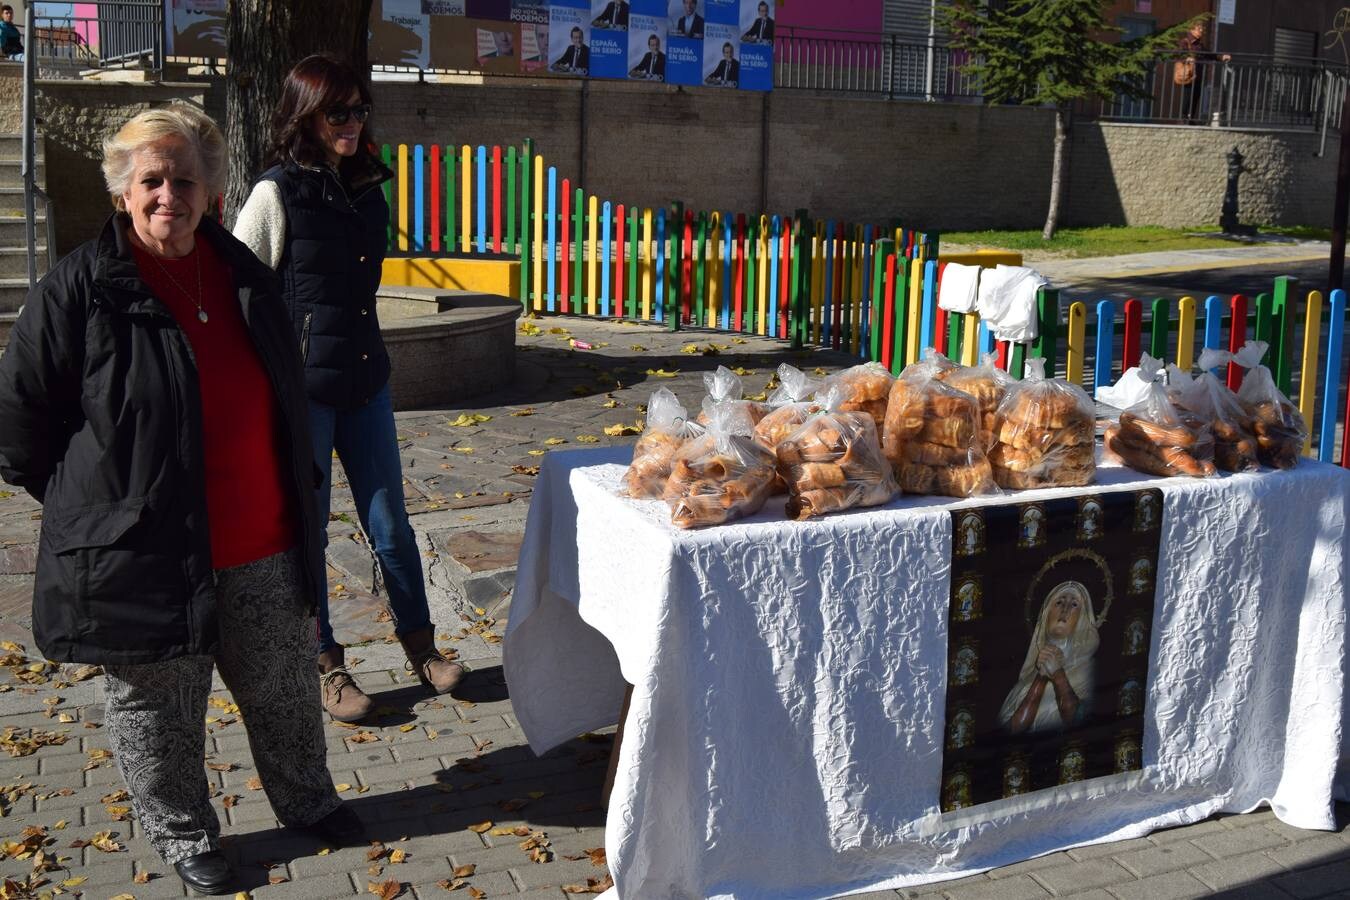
<point>156,713</point>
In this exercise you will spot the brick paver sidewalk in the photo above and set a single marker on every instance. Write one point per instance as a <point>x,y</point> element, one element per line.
<point>447,783</point>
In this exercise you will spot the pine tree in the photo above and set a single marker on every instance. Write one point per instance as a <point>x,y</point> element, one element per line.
<point>264,38</point>
<point>1053,52</point>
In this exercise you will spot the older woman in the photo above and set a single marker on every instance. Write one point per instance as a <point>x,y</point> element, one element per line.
<point>319,218</point>
<point>151,399</point>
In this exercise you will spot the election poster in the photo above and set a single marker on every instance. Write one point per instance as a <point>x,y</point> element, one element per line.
<point>196,28</point>
<point>685,25</point>
<point>647,48</point>
<point>721,57</point>
<point>402,35</point>
<point>569,49</point>
<point>725,44</point>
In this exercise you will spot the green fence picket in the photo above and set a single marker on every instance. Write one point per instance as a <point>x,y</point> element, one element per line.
<point>1160,329</point>
<point>387,155</point>
<point>884,248</point>
<point>510,199</point>
<point>526,233</point>
<point>633,287</point>
<point>700,260</point>
<point>1046,345</point>
<point>1277,359</point>
<point>1263,319</point>
<point>577,225</point>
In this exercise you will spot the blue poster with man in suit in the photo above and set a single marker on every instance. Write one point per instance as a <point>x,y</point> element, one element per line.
<point>685,25</point>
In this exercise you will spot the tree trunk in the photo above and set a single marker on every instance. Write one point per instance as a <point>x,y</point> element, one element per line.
<point>1057,174</point>
<point>263,40</point>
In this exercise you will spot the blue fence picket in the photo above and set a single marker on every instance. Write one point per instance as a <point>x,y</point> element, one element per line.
<point>1331,386</point>
<point>419,204</point>
<point>551,251</point>
<point>1215,308</point>
<point>1106,337</point>
<point>482,199</point>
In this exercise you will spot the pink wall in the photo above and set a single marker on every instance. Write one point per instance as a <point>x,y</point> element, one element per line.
<point>87,30</point>
<point>840,15</point>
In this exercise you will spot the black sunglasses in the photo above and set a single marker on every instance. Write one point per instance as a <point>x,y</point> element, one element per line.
<point>338,115</point>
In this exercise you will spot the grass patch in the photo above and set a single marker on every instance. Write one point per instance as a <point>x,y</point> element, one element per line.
<point>1115,241</point>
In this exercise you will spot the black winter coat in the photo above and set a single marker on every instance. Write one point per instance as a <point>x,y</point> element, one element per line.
<point>100,420</point>
<point>330,270</point>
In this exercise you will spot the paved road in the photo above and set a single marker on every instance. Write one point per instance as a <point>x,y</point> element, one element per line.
<point>430,767</point>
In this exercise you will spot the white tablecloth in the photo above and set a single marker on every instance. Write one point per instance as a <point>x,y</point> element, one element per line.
<point>785,733</point>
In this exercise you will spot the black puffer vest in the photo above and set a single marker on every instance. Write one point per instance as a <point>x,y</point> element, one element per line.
<point>330,271</point>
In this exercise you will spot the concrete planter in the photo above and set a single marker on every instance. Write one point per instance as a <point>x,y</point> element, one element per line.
<point>446,346</point>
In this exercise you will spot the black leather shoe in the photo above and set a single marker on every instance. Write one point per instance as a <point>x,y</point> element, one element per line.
<point>207,873</point>
<point>341,828</point>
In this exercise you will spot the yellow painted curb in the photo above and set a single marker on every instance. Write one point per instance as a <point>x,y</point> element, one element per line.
<point>1213,264</point>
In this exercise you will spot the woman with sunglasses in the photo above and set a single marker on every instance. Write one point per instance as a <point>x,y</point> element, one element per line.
<point>319,218</point>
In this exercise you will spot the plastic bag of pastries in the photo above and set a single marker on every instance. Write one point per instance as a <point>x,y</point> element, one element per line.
<point>721,475</point>
<point>1044,433</point>
<point>724,386</point>
<point>1209,399</point>
<point>1279,426</point>
<point>1153,436</point>
<point>654,453</point>
<point>865,388</point>
<point>833,462</point>
<point>790,404</point>
<point>931,436</point>
<point>987,383</point>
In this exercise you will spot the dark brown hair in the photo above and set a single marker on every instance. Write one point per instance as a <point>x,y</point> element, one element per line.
<point>315,84</point>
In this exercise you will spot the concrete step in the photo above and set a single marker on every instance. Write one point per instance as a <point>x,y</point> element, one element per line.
<point>14,260</point>
<point>11,172</point>
<point>7,320</point>
<point>12,233</point>
<point>11,201</point>
<point>13,293</point>
<point>11,146</point>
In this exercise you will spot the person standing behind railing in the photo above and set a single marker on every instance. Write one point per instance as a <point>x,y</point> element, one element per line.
<point>1186,71</point>
<point>11,41</point>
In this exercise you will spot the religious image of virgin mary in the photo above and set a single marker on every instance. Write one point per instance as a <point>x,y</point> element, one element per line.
<point>1055,684</point>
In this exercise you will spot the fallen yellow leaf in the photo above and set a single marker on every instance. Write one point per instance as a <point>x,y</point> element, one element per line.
<point>480,827</point>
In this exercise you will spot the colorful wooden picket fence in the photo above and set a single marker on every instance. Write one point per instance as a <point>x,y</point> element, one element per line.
<point>865,289</point>
<point>775,275</point>
<point>1177,332</point>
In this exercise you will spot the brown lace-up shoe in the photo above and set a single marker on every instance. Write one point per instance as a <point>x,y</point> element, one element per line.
<point>343,698</point>
<point>427,663</point>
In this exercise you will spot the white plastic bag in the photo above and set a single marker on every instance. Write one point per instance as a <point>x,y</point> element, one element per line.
<point>791,405</point>
<point>1279,426</point>
<point>721,475</point>
<point>834,462</point>
<point>654,453</point>
<point>1044,434</point>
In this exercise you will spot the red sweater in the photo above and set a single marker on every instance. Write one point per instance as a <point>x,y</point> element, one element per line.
<point>248,503</point>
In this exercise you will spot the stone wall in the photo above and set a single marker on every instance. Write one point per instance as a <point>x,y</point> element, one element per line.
<point>1175,175</point>
<point>943,166</point>
<point>11,97</point>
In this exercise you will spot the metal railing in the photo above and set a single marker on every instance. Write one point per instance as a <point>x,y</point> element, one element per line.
<point>28,167</point>
<point>1246,91</point>
<point>866,63</point>
<point>119,33</point>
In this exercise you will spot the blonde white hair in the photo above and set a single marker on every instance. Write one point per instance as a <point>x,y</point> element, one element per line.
<point>175,120</point>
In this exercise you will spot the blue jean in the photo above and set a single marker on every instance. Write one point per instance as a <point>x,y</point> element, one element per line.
<point>367,445</point>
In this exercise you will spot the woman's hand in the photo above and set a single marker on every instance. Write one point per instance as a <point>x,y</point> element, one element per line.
<point>1049,661</point>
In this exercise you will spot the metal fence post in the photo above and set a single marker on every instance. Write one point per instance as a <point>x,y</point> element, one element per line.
<point>29,136</point>
<point>890,74</point>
